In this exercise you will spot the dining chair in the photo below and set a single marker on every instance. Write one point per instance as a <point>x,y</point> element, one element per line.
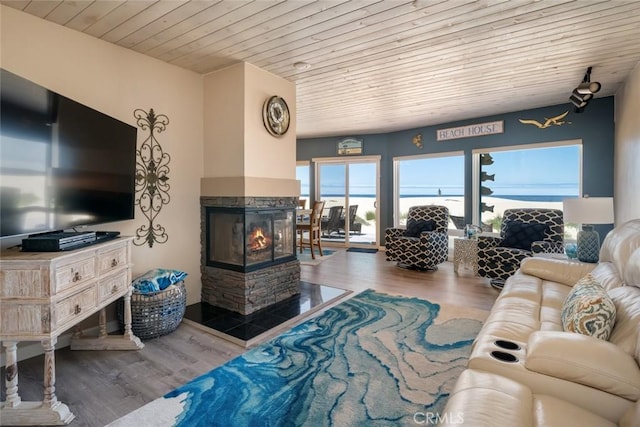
<point>313,228</point>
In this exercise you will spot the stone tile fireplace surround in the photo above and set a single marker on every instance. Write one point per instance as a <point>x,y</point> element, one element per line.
<point>248,259</point>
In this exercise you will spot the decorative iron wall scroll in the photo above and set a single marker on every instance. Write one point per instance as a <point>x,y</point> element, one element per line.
<point>152,180</point>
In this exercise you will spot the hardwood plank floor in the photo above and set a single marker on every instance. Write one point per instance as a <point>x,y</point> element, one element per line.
<point>101,386</point>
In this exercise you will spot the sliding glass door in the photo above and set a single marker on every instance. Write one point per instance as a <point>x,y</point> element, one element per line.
<point>349,188</point>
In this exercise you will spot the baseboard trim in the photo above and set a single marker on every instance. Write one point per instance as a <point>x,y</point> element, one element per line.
<point>27,350</point>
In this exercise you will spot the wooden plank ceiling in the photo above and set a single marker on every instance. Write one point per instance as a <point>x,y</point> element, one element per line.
<point>379,66</point>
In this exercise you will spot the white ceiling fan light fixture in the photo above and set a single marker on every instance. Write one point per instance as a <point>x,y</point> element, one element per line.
<point>582,94</point>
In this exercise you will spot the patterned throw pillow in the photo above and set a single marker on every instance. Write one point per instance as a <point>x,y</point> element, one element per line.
<point>156,280</point>
<point>588,309</point>
<point>522,234</point>
<point>414,228</point>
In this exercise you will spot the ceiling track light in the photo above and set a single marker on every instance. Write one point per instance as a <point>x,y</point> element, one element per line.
<point>582,94</point>
<point>588,88</point>
<point>579,100</point>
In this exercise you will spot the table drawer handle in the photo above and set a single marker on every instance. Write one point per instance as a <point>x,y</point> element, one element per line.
<point>76,276</point>
<point>77,309</point>
<point>114,289</point>
<point>114,262</point>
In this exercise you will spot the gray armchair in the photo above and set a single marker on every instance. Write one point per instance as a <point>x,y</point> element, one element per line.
<point>523,232</point>
<point>424,243</point>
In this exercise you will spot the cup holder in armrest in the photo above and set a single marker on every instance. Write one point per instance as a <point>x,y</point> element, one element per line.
<point>504,357</point>
<point>507,345</point>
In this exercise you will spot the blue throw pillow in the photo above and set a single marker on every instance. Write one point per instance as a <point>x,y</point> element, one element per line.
<point>157,279</point>
<point>414,228</point>
<point>521,235</point>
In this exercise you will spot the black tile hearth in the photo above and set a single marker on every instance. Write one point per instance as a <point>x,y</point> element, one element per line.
<point>250,326</point>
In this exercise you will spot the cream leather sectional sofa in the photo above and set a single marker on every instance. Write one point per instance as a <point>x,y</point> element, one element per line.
<point>525,370</point>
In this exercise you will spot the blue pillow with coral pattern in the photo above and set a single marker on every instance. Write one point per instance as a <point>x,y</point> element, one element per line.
<point>157,279</point>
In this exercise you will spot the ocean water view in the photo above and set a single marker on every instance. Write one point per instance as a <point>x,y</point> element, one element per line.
<point>497,204</point>
<point>520,197</point>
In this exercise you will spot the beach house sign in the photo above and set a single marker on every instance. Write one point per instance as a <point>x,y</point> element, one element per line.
<point>470,131</point>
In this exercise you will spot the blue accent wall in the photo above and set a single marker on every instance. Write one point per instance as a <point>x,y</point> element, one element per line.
<point>595,127</point>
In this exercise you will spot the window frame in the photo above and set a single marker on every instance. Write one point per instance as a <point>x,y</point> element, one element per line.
<point>475,172</point>
<point>396,179</point>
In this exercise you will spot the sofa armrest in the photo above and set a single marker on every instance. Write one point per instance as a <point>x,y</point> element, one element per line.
<point>487,242</point>
<point>545,247</point>
<point>584,360</point>
<point>391,233</point>
<point>433,237</point>
<point>556,270</point>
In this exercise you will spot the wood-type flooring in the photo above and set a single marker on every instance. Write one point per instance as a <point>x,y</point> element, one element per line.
<point>101,386</point>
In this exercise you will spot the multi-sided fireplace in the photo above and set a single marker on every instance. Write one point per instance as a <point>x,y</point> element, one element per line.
<point>248,252</point>
<point>248,239</point>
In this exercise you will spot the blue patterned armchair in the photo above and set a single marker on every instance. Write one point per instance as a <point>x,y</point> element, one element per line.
<point>523,232</point>
<point>424,243</point>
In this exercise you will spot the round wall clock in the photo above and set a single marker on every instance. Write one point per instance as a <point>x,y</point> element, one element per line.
<point>275,115</point>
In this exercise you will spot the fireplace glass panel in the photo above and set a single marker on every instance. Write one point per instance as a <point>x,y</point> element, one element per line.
<point>225,237</point>
<point>244,240</point>
<point>283,234</point>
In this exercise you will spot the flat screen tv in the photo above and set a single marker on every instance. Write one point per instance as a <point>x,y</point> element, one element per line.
<point>62,164</point>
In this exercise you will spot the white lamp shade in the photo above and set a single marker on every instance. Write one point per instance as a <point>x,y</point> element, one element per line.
<point>588,210</point>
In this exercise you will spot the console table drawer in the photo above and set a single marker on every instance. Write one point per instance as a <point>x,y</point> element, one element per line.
<point>18,319</point>
<point>112,286</point>
<point>74,273</point>
<point>112,260</point>
<point>76,306</point>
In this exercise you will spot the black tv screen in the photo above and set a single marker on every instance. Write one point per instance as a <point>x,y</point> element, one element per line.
<point>62,164</point>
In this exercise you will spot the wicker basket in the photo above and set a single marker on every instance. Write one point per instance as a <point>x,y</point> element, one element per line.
<point>156,314</point>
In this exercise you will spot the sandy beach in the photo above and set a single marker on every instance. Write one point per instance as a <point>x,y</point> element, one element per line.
<point>454,203</point>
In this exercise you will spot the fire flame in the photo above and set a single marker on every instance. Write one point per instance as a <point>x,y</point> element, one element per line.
<point>258,240</point>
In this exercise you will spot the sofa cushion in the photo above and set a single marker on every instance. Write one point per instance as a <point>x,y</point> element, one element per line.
<point>584,360</point>
<point>619,244</point>
<point>632,271</point>
<point>607,274</point>
<point>562,271</point>
<point>415,227</point>
<point>588,309</point>
<point>521,235</point>
<point>625,331</point>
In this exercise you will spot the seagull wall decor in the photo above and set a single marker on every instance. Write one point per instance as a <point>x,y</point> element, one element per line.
<point>557,121</point>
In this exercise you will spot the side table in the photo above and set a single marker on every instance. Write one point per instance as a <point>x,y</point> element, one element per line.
<point>465,251</point>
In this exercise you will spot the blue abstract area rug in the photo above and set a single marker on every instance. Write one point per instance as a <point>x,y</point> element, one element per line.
<point>373,360</point>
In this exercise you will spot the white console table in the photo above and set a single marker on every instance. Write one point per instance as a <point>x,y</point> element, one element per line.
<point>42,295</point>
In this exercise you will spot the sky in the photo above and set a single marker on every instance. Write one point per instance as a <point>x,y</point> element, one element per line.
<point>541,171</point>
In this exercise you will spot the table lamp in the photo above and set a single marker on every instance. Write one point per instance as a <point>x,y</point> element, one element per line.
<point>588,211</point>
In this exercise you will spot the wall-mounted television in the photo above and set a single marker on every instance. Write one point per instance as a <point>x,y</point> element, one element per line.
<point>62,164</point>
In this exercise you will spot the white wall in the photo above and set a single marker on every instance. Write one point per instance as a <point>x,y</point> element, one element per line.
<point>266,155</point>
<point>224,122</point>
<point>116,81</point>
<point>241,157</point>
<point>627,150</point>
<point>236,141</point>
